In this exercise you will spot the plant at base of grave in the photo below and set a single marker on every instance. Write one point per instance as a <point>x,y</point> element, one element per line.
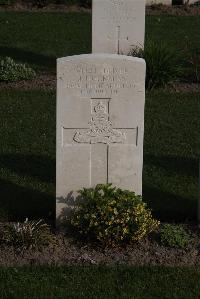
<point>29,234</point>
<point>10,71</point>
<point>174,236</point>
<point>112,216</point>
<point>161,63</point>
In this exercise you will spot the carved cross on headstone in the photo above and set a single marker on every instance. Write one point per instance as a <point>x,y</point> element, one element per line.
<point>100,131</point>
<point>117,25</point>
<point>120,40</point>
<point>100,124</point>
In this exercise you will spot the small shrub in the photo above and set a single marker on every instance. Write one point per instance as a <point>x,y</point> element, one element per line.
<point>161,63</point>
<point>11,71</point>
<point>197,3</point>
<point>112,215</point>
<point>174,236</point>
<point>29,234</point>
<point>193,60</point>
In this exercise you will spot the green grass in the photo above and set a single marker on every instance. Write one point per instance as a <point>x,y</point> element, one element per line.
<point>100,282</point>
<point>27,130</point>
<point>39,38</point>
<point>171,154</point>
<point>27,154</point>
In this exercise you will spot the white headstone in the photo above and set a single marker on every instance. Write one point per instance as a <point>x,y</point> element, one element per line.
<point>164,2</point>
<point>100,123</point>
<point>117,25</point>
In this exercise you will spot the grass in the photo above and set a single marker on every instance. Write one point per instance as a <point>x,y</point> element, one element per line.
<point>100,282</point>
<point>27,161</point>
<point>27,158</point>
<point>171,154</point>
<point>27,154</point>
<point>39,38</point>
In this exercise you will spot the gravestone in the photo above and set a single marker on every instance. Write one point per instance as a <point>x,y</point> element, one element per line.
<point>117,25</point>
<point>100,124</point>
<point>153,2</point>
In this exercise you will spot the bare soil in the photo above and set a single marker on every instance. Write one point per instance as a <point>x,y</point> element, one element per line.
<point>48,81</point>
<point>179,10</point>
<point>69,252</point>
<point>43,81</point>
<point>50,8</point>
<point>150,10</point>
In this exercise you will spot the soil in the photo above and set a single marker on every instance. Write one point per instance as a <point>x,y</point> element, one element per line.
<point>68,251</point>
<point>48,81</point>
<point>150,10</point>
<point>43,81</point>
<point>179,10</point>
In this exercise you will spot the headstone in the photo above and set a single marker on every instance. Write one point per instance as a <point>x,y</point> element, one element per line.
<point>100,124</point>
<point>153,2</point>
<point>117,25</point>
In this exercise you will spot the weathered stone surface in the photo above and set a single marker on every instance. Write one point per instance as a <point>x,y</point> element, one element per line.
<point>164,2</point>
<point>117,25</point>
<point>100,123</point>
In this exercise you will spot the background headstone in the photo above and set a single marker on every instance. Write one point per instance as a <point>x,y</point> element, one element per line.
<point>153,2</point>
<point>100,123</point>
<point>117,25</point>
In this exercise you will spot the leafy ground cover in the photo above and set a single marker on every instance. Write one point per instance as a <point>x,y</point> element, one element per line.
<point>27,154</point>
<point>39,38</point>
<point>100,282</point>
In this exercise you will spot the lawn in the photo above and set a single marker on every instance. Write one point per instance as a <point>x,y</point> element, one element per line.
<point>100,282</point>
<point>27,158</point>
<point>27,154</point>
<point>39,38</point>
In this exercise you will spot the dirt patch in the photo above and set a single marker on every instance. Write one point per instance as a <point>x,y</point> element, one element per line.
<point>48,81</point>
<point>43,81</point>
<point>180,10</point>
<point>68,252</point>
<point>48,8</point>
<point>182,87</point>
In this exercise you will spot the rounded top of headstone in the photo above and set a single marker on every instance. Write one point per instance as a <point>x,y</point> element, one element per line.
<point>101,56</point>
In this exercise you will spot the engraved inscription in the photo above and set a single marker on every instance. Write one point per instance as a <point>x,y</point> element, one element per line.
<point>100,130</point>
<point>97,80</point>
<point>119,11</point>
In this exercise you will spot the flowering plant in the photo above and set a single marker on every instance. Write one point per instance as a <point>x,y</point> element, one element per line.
<point>112,215</point>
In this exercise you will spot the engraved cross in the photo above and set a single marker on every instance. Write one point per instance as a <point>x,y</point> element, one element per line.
<point>99,136</point>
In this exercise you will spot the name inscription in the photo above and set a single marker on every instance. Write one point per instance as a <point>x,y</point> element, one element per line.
<point>92,80</point>
<point>119,11</point>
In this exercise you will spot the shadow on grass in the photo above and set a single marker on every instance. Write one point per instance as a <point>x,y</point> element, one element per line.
<point>19,202</point>
<point>29,57</point>
<point>168,206</point>
<point>39,167</point>
<point>179,165</point>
